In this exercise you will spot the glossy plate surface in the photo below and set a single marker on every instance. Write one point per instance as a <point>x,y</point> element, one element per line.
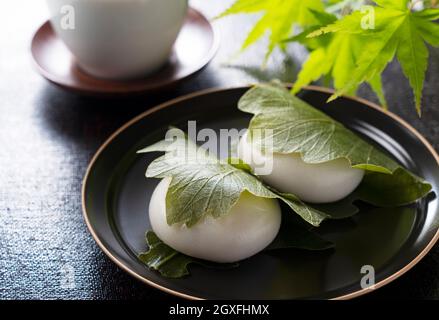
<point>116,196</point>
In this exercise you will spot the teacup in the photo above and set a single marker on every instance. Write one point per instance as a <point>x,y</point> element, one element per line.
<point>118,39</point>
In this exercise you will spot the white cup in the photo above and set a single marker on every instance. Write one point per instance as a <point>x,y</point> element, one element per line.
<point>118,39</point>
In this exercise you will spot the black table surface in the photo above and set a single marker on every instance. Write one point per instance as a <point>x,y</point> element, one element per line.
<point>48,136</point>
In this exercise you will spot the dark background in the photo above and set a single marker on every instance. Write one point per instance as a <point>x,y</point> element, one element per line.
<point>48,136</point>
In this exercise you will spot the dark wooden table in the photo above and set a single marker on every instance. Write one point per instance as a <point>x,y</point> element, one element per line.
<point>48,136</point>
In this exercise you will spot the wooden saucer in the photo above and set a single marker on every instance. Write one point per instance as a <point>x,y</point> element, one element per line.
<point>196,45</point>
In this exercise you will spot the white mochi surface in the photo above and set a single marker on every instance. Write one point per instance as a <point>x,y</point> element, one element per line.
<point>315,183</point>
<point>249,227</point>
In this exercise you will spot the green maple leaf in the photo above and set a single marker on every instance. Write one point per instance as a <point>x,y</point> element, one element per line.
<point>336,56</point>
<point>342,5</point>
<point>398,32</point>
<point>278,18</point>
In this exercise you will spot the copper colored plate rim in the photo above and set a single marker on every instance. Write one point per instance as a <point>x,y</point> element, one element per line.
<point>212,90</point>
<point>130,88</point>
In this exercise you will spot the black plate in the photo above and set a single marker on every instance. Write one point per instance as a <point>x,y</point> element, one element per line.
<point>116,196</point>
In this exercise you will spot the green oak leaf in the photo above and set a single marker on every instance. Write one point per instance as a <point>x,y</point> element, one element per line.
<point>400,188</point>
<point>240,164</point>
<point>278,18</point>
<point>204,185</point>
<point>161,257</point>
<point>381,190</point>
<point>399,32</point>
<point>297,127</point>
<point>173,264</point>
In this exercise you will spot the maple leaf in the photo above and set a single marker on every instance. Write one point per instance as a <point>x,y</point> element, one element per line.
<point>398,32</point>
<point>335,55</point>
<point>278,18</point>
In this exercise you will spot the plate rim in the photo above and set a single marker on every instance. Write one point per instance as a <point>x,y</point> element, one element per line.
<point>99,92</point>
<point>189,96</point>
